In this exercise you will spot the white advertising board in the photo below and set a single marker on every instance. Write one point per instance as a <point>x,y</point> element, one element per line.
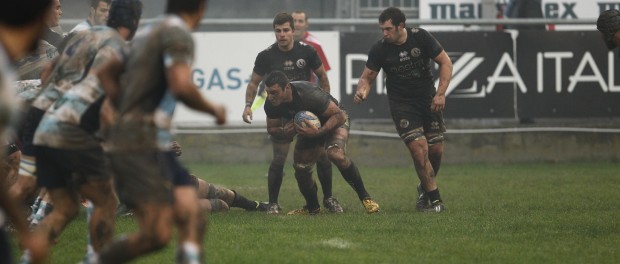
<point>223,66</point>
<point>551,9</point>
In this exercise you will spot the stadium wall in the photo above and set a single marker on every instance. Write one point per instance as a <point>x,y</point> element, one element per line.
<point>376,144</point>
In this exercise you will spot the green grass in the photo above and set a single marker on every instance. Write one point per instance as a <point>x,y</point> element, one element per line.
<point>529,213</point>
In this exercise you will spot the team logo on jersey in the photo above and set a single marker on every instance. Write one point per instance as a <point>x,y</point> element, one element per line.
<point>415,52</point>
<point>404,123</point>
<point>403,56</point>
<point>301,63</point>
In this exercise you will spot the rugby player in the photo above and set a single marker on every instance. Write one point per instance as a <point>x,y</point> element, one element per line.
<point>70,159</point>
<point>286,98</point>
<point>22,23</point>
<point>299,61</point>
<point>405,54</point>
<point>160,61</point>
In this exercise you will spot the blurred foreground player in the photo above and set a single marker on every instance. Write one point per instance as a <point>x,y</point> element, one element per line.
<point>160,60</point>
<point>22,23</point>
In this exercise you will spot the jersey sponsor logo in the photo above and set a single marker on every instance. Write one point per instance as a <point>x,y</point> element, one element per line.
<point>403,56</point>
<point>301,63</point>
<point>288,65</point>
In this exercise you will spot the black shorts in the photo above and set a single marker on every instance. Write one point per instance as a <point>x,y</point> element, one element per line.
<point>142,177</point>
<point>63,168</point>
<point>415,118</point>
<point>180,175</point>
<point>5,247</point>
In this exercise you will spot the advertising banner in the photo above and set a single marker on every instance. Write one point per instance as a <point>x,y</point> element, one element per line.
<point>505,75</point>
<point>551,9</point>
<point>567,74</point>
<point>477,90</point>
<point>223,67</point>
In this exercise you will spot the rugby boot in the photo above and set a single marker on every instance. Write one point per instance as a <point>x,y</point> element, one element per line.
<point>435,207</point>
<point>304,211</point>
<point>423,202</point>
<point>274,208</point>
<point>332,205</point>
<point>370,205</point>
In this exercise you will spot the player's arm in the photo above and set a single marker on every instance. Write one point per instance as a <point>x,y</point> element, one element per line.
<point>363,85</point>
<point>47,70</point>
<point>321,73</point>
<point>250,94</point>
<point>445,74</point>
<point>181,85</point>
<point>335,119</point>
<point>108,74</point>
<point>278,129</point>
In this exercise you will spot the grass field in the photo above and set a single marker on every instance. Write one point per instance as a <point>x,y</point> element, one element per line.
<point>528,213</point>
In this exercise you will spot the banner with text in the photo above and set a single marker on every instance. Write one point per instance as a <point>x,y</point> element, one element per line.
<point>551,9</point>
<point>223,65</point>
<point>544,78</point>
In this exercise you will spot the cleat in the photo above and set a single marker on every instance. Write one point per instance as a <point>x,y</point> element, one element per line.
<point>262,206</point>
<point>435,207</point>
<point>423,202</point>
<point>304,211</point>
<point>123,211</point>
<point>332,205</point>
<point>274,208</point>
<point>370,205</point>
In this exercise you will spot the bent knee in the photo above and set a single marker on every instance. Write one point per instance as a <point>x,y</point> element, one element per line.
<point>336,153</point>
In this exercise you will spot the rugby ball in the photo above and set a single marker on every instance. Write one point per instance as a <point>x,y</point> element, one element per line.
<point>301,116</point>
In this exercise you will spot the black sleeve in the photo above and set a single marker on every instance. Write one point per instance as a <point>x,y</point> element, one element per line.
<point>374,61</point>
<point>314,61</point>
<point>430,43</point>
<point>261,64</point>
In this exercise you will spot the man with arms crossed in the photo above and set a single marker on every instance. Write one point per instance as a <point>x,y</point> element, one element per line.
<point>298,61</point>
<point>405,54</point>
<point>160,61</point>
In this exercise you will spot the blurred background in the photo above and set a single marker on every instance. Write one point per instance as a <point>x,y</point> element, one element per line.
<point>532,79</point>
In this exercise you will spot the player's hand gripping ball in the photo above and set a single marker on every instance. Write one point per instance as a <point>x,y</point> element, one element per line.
<point>301,116</point>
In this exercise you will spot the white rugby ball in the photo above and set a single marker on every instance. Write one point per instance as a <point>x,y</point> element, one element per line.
<point>307,115</point>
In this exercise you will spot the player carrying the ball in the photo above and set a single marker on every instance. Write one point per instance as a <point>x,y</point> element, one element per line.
<point>284,100</point>
<point>298,61</point>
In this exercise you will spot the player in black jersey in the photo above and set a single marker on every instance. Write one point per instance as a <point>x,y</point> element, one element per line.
<point>284,99</point>
<point>298,61</point>
<point>406,55</point>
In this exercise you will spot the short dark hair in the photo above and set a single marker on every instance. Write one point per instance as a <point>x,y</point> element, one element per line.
<point>183,6</point>
<point>276,77</point>
<point>125,13</point>
<point>608,23</point>
<point>282,18</point>
<point>23,12</point>
<point>394,14</point>
<point>95,3</point>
